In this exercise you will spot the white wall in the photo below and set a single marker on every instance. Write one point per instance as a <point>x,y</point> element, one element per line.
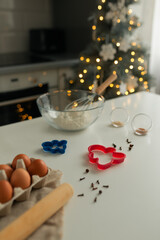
<point>144,9</point>
<point>17,17</point>
<point>155,50</point>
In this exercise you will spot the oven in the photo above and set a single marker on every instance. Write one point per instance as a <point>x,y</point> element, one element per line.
<point>20,105</point>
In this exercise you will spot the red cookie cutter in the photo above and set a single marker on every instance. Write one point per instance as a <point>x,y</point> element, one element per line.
<point>117,157</point>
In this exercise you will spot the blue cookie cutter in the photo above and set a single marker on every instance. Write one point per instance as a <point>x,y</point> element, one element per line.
<point>55,146</point>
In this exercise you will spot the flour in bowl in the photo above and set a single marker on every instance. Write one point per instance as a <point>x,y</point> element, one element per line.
<point>70,120</point>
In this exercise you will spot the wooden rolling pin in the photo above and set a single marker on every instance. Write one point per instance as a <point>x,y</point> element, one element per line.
<point>106,83</point>
<point>27,223</point>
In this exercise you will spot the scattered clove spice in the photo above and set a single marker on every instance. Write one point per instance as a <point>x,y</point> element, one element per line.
<point>106,186</point>
<point>114,145</point>
<point>92,185</point>
<point>81,179</point>
<point>80,195</point>
<point>130,147</point>
<point>95,200</point>
<point>87,171</point>
<point>100,192</point>
<point>128,141</point>
<point>95,188</point>
<point>120,148</point>
<point>98,182</point>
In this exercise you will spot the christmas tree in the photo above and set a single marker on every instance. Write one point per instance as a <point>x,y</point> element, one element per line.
<point>112,51</point>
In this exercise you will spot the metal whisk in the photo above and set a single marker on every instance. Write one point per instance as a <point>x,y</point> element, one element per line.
<point>83,103</point>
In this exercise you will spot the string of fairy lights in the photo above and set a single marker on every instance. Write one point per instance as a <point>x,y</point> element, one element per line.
<point>135,62</point>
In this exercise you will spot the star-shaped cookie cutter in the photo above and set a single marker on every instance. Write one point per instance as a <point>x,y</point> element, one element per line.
<point>55,146</point>
<point>116,157</point>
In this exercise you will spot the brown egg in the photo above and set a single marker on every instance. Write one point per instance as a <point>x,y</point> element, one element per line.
<point>38,167</point>
<point>20,178</point>
<point>6,191</point>
<point>7,169</point>
<point>26,159</point>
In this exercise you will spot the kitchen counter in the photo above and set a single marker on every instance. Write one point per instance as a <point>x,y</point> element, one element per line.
<point>59,63</point>
<point>129,208</point>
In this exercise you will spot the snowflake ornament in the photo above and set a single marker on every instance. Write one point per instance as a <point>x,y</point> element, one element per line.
<point>124,45</point>
<point>107,52</point>
<point>117,12</point>
<point>123,87</point>
<point>132,82</point>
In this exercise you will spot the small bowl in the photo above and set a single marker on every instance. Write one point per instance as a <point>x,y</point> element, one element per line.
<point>141,124</point>
<point>119,117</point>
<point>70,110</point>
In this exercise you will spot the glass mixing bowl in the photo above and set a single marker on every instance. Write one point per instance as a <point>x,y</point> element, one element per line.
<point>70,109</point>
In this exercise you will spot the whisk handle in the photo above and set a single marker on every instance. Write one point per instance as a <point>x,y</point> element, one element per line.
<point>106,83</point>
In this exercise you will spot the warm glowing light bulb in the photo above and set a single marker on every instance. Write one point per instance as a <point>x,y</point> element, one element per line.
<point>98,59</point>
<point>131,66</point>
<point>114,72</point>
<point>140,68</point>
<point>85,71</point>
<point>118,92</point>
<point>133,53</point>
<point>132,60</point>
<point>126,92</point>
<point>143,73</point>
<point>118,20</point>
<point>116,62</point>
<point>134,44</point>
<point>98,39</point>
<point>118,44</point>
<point>98,76</point>
<point>138,24</point>
<point>94,27</point>
<point>90,87</point>
<point>131,22</point>
<point>129,28</point>
<point>81,58</point>
<point>111,85</point>
<point>120,58</point>
<point>71,81</point>
<point>103,1</point>
<point>99,7</point>
<point>80,75</point>
<point>129,11</point>
<point>81,80</point>
<point>29,117</point>
<point>141,79</point>
<point>126,70</point>
<point>132,90</point>
<point>101,18</point>
<point>88,60</point>
<point>99,67</point>
<point>117,86</point>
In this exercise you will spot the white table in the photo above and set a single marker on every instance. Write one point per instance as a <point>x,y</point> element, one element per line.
<point>130,208</point>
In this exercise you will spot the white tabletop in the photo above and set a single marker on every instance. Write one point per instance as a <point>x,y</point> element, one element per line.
<point>130,208</point>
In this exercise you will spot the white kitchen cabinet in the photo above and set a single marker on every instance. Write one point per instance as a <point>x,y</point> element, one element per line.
<point>21,77</point>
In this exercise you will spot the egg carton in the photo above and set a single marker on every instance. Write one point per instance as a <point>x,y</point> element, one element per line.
<point>20,194</point>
